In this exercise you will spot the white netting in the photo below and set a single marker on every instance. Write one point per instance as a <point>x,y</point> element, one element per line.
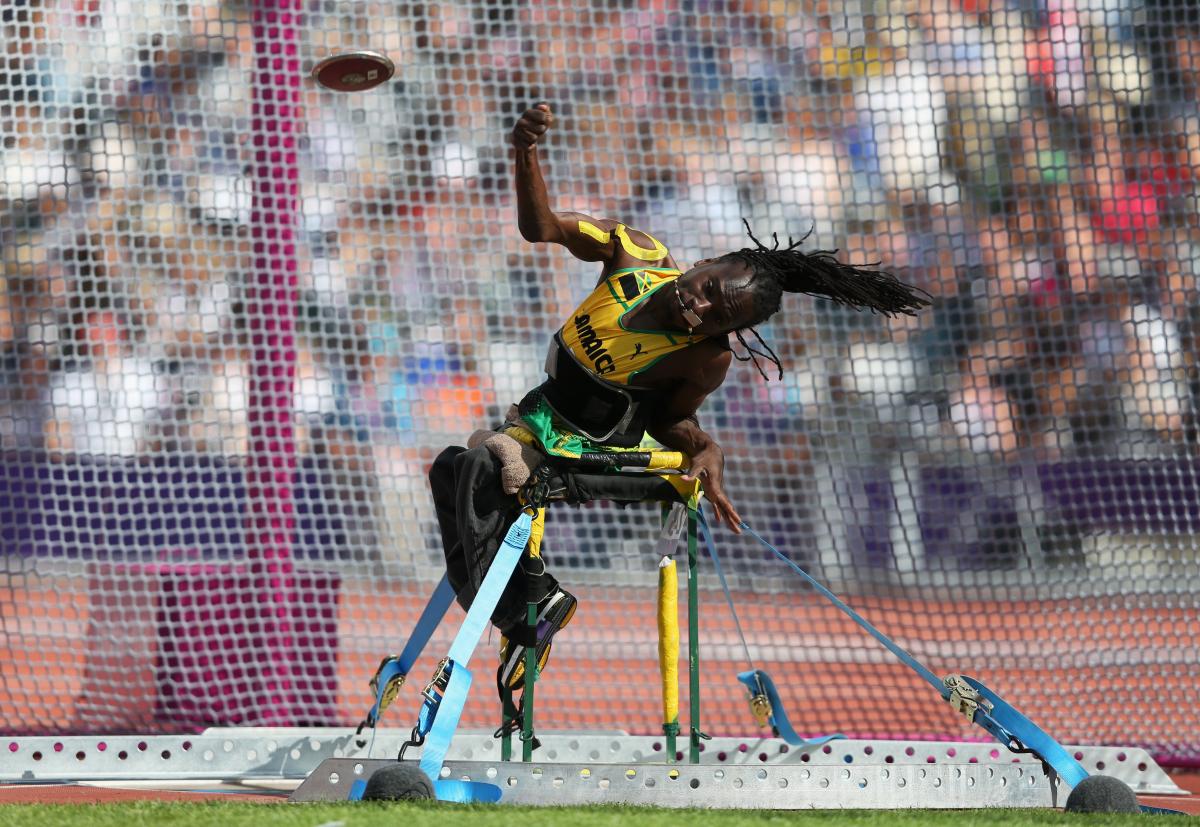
<point>240,316</point>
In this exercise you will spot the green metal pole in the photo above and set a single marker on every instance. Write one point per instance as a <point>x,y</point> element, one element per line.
<point>671,730</point>
<point>506,732</point>
<point>531,676</point>
<point>693,645</point>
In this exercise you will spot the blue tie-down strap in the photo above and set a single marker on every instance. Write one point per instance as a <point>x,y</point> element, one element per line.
<point>466,792</point>
<point>760,685</point>
<point>764,699</point>
<point>439,717</point>
<point>446,694</point>
<point>445,716</point>
<point>982,706</point>
<point>1160,811</point>
<point>393,670</point>
<point>1010,727</point>
<point>1020,734</point>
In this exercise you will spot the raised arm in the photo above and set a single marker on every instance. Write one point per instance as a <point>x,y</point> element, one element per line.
<point>589,239</point>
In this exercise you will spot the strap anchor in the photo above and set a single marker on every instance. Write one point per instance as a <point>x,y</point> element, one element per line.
<point>432,693</point>
<point>964,698</point>
<point>415,739</point>
<point>383,699</point>
<point>760,708</point>
<point>513,726</point>
<point>391,685</point>
<point>436,687</point>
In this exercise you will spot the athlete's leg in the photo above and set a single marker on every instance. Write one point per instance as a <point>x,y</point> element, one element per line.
<point>474,514</point>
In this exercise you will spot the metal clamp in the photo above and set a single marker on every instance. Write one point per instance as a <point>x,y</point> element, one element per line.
<point>535,493</point>
<point>436,687</point>
<point>391,688</point>
<point>432,693</point>
<point>760,708</point>
<point>965,698</point>
<point>383,699</point>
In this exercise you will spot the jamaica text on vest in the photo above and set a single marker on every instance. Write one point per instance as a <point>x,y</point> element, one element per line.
<point>593,346</point>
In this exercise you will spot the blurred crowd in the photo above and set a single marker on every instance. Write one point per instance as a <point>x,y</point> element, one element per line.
<point>1027,162</point>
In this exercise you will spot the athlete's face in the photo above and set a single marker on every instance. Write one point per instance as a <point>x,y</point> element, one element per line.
<point>714,297</point>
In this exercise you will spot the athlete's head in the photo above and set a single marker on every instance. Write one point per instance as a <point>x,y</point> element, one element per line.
<point>744,288</point>
<point>715,297</point>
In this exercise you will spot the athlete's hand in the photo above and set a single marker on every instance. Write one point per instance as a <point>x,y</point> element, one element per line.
<point>531,126</point>
<point>709,466</point>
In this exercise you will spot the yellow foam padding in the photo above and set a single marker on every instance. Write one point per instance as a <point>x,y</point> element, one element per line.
<point>658,253</point>
<point>689,492</point>
<point>521,435</point>
<point>668,638</point>
<point>536,529</point>
<point>673,460</point>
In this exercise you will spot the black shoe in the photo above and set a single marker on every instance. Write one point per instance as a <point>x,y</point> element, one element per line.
<point>554,612</point>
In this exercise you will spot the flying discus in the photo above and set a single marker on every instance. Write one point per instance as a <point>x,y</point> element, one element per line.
<point>353,71</point>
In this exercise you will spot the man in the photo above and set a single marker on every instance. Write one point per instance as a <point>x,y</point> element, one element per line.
<point>637,357</point>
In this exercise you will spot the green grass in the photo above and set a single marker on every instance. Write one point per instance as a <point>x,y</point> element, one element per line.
<point>425,814</point>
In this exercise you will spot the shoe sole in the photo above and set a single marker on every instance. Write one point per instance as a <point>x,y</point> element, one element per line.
<point>514,675</point>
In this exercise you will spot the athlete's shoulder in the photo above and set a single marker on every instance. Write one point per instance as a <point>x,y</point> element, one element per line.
<point>632,245</point>
<point>641,245</point>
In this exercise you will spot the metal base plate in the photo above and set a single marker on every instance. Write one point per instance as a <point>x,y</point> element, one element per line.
<point>256,754</point>
<point>778,787</point>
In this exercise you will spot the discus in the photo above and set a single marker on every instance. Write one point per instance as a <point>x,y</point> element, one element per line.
<point>353,71</point>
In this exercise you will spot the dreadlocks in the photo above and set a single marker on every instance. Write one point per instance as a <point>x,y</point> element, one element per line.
<point>817,273</point>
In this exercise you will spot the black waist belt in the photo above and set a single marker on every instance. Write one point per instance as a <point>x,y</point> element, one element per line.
<point>588,405</point>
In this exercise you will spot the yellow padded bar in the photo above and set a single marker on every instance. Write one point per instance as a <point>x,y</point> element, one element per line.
<point>664,460</point>
<point>668,638</point>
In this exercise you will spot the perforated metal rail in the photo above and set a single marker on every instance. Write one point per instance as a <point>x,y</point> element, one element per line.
<point>609,766</point>
<point>737,786</point>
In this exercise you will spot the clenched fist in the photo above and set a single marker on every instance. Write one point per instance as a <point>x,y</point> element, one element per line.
<point>531,126</point>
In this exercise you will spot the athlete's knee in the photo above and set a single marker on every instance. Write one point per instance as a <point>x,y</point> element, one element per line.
<point>476,464</point>
<point>441,473</point>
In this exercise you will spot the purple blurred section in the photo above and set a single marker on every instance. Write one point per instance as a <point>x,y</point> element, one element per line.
<point>970,522</point>
<point>143,509</point>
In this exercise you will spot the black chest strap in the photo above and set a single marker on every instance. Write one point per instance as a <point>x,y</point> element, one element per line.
<point>601,411</point>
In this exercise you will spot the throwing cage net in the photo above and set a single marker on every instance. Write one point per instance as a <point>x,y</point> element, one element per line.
<point>240,315</point>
